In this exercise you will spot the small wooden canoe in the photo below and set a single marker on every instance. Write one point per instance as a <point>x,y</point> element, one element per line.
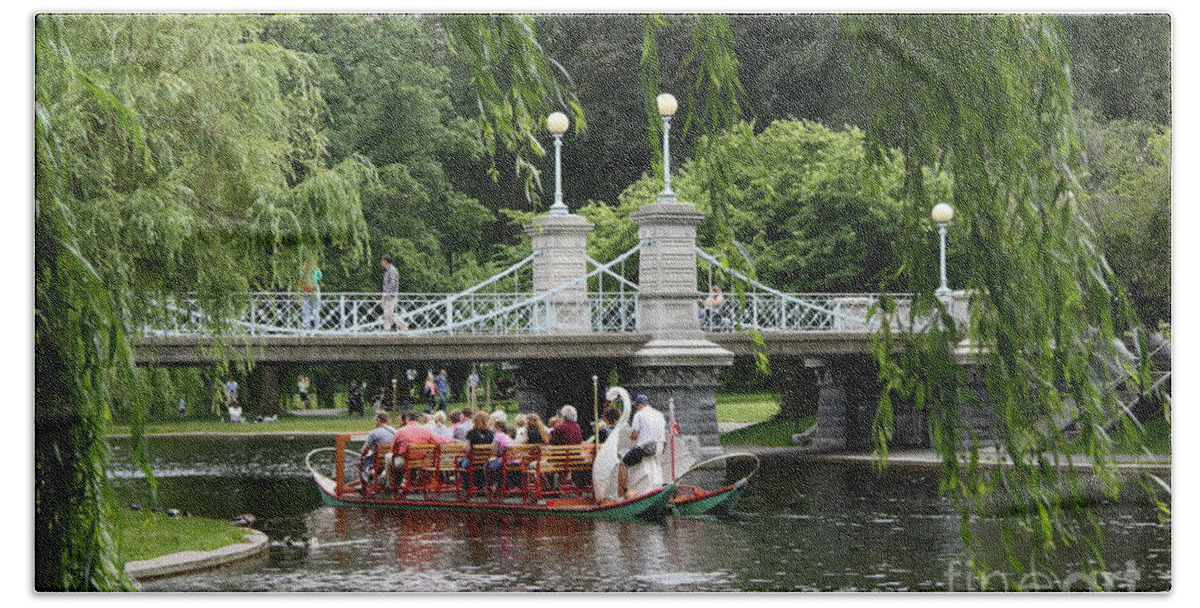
<point>692,500</point>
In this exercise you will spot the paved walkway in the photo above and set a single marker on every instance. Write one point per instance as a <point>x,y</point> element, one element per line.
<point>187,562</point>
<point>729,427</point>
<point>928,457</point>
<point>329,413</point>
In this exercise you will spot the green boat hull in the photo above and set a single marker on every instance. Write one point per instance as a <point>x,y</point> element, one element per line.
<point>650,506</point>
<point>719,503</point>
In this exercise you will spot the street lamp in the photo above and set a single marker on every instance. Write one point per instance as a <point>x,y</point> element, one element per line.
<point>666,108</point>
<point>942,214</point>
<point>557,124</point>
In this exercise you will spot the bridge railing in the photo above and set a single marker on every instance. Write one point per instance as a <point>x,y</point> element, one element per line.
<point>284,313</point>
<point>795,312</point>
<point>767,309</point>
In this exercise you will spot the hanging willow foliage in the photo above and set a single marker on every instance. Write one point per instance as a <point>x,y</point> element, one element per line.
<point>156,178</point>
<point>516,86</point>
<point>989,100</point>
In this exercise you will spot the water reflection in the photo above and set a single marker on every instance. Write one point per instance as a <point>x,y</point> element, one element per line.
<point>801,526</point>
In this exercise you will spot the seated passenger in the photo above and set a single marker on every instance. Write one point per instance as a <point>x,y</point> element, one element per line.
<point>439,425</point>
<point>381,434</point>
<point>501,439</point>
<point>460,430</point>
<point>521,430</point>
<point>479,431</point>
<point>412,433</point>
<point>610,417</point>
<point>500,416</point>
<point>567,432</point>
<point>479,434</point>
<point>536,433</point>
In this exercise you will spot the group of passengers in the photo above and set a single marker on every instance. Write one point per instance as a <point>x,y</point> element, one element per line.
<point>468,427</point>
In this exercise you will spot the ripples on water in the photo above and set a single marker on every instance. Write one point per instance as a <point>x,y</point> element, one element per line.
<point>802,526</point>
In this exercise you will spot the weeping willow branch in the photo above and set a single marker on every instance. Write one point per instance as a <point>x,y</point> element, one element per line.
<point>989,98</point>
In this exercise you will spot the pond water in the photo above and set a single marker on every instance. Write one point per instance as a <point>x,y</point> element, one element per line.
<point>802,525</point>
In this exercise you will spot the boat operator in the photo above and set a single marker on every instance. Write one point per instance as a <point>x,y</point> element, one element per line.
<point>649,434</point>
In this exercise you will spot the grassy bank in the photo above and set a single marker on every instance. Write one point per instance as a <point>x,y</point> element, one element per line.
<point>146,535</point>
<point>1155,436</point>
<point>771,433</point>
<point>746,407</point>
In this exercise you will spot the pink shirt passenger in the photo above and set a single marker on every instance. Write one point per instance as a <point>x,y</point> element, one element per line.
<point>414,434</point>
<point>502,440</point>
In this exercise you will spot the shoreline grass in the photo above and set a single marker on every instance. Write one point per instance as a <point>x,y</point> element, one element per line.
<point>146,535</point>
<point>770,433</point>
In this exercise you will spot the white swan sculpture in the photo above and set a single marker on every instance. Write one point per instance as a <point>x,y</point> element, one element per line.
<point>604,467</point>
<point>644,477</point>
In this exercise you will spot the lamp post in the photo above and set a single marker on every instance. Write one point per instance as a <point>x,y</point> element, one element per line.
<point>557,124</point>
<point>666,108</point>
<point>942,214</point>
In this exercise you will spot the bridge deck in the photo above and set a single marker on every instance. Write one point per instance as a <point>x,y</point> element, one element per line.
<point>190,350</point>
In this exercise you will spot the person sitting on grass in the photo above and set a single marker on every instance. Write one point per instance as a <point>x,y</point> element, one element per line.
<point>235,411</point>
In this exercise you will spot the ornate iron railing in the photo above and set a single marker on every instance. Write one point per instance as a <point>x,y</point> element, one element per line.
<point>415,313</point>
<point>566,308</point>
<point>767,309</point>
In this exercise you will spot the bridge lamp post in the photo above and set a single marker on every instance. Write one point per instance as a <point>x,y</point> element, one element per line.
<point>557,123</point>
<point>942,214</point>
<point>666,108</point>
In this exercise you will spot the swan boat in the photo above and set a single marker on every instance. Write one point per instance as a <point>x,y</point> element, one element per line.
<point>337,490</point>
<point>440,478</point>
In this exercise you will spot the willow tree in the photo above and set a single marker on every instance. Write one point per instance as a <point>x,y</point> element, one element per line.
<point>174,154</point>
<point>989,100</point>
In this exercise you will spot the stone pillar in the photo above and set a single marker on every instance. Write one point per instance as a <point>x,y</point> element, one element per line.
<point>267,393</point>
<point>849,398</point>
<point>560,245</point>
<point>677,362</point>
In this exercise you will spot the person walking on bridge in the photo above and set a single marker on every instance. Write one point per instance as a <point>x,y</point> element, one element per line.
<point>390,289</point>
<point>310,298</point>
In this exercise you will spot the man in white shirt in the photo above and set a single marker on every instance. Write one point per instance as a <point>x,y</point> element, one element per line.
<point>649,434</point>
